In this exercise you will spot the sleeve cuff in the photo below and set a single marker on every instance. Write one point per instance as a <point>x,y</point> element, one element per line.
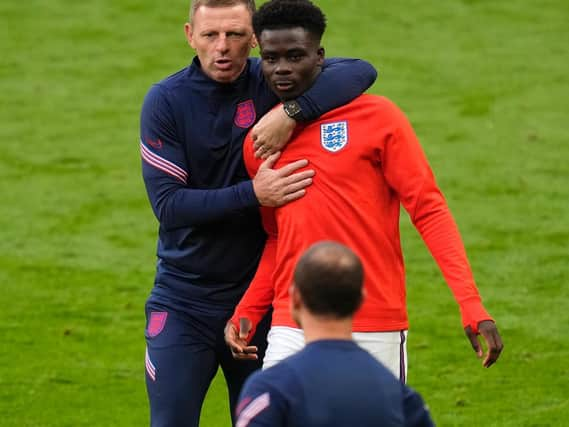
<point>254,322</point>
<point>247,194</point>
<point>309,112</point>
<point>473,312</point>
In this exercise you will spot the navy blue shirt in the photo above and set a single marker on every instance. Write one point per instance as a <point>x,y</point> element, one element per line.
<point>191,135</point>
<point>332,383</point>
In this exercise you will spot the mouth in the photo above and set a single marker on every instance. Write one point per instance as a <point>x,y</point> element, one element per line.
<point>283,85</point>
<point>223,64</point>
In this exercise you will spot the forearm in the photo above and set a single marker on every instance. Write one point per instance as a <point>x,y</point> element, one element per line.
<point>167,177</point>
<point>341,81</point>
<point>439,231</point>
<point>177,206</point>
<point>258,298</point>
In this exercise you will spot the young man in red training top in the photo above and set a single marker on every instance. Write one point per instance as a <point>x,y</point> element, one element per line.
<point>367,161</point>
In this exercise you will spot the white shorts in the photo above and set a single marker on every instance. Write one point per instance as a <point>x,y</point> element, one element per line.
<point>389,348</point>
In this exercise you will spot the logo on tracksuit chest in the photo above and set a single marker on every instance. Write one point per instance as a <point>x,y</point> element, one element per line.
<point>334,136</point>
<point>245,115</point>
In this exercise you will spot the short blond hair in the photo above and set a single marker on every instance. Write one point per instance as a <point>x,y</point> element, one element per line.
<point>195,4</point>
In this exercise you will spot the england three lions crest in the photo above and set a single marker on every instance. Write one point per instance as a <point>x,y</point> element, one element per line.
<point>334,136</point>
<point>245,115</point>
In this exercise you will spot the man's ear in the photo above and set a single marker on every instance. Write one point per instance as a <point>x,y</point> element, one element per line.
<point>189,34</point>
<point>295,299</point>
<point>254,42</point>
<point>321,56</point>
<point>363,295</point>
<point>295,304</point>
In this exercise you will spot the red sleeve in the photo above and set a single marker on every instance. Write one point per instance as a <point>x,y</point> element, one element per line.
<point>259,296</point>
<point>408,172</point>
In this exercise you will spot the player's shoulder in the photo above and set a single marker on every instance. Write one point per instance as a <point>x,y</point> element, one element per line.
<point>175,79</point>
<point>161,90</point>
<point>172,81</point>
<point>277,378</point>
<point>255,65</point>
<point>281,369</point>
<point>386,111</point>
<point>376,101</point>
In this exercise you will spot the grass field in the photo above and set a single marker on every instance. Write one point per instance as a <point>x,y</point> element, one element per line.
<point>485,84</point>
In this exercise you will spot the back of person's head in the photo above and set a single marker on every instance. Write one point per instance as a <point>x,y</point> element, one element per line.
<point>329,279</point>
<point>281,14</point>
<point>196,4</point>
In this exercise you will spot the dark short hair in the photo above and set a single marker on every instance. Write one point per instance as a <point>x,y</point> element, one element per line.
<point>195,4</point>
<point>279,14</point>
<point>329,278</point>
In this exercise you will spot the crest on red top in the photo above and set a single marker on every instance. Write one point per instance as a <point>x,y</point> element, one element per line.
<point>156,322</point>
<point>334,136</point>
<point>245,115</point>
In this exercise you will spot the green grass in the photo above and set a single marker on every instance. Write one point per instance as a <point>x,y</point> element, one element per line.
<point>485,84</point>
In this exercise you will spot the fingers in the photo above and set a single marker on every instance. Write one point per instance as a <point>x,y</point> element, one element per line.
<point>291,167</point>
<point>493,342</point>
<point>291,197</point>
<point>235,344</point>
<point>243,352</point>
<point>295,190</point>
<point>245,326</point>
<point>298,177</point>
<point>262,152</point>
<point>491,356</point>
<point>270,161</point>
<point>247,353</point>
<point>297,187</point>
<point>257,143</point>
<point>491,336</point>
<point>276,187</point>
<point>473,338</point>
<point>238,347</point>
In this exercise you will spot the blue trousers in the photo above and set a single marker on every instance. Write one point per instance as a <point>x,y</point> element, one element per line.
<point>184,351</point>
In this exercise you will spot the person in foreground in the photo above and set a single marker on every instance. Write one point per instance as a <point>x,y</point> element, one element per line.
<point>332,382</point>
<point>210,239</point>
<point>368,162</point>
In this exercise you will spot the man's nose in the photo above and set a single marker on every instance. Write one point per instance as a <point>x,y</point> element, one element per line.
<point>222,45</point>
<point>283,67</point>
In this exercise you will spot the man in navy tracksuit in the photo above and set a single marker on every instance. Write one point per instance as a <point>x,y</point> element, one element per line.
<point>332,382</point>
<point>210,239</point>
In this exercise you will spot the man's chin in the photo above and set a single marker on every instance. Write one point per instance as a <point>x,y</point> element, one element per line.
<point>285,95</point>
<point>223,76</point>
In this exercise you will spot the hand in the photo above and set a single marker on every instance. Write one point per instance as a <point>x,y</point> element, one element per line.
<point>272,133</point>
<point>489,332</point>
<point>276,187</point>
<point>237,340</point>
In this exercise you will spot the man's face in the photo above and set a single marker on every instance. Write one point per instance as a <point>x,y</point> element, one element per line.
<point>291,60</point>
<point>222,38</point>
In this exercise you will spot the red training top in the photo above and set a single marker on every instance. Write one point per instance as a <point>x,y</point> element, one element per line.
<point>367,161</point>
